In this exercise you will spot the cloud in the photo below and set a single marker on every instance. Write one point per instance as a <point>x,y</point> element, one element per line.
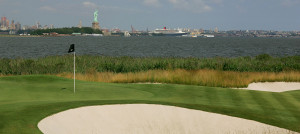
<point>196,6</point>
<point>88,4</point>
<point>48,8</point>
<point>154,3</point>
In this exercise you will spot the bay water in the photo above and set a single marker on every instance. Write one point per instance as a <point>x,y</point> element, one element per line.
<point>36,47</point>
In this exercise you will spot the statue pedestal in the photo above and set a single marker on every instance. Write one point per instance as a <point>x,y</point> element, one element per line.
<point>96,25</point>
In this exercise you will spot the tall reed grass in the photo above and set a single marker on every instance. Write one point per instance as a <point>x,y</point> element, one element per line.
<point>218,71</point>
<point>203,77</point>
<point>61,64</point>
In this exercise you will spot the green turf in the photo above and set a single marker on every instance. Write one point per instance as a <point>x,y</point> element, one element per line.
<point>25,100</point>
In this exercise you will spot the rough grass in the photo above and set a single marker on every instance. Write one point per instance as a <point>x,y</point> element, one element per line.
<point>25,100</point>
<point>203,77</point>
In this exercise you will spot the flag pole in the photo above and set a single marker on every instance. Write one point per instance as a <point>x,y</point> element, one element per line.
<point>72,49</point>
<point>74,73</point>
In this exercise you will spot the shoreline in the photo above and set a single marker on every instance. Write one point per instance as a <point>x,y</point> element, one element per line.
<point>20,36</point>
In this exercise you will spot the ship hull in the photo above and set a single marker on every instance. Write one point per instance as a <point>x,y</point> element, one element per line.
<point>168,34</point>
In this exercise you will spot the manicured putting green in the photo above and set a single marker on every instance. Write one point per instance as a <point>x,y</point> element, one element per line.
<point>25,100</point>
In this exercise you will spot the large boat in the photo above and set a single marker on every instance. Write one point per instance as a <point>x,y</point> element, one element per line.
<point>168,32</point>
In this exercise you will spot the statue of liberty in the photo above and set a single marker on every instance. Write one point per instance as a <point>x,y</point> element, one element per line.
<point>96,16</point>
<point>95,24</point>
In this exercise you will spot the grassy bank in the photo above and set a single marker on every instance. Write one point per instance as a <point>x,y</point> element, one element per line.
<point>25,100</point>
<point>85,64</point>
<point>204,77</point>
<point>216,72</point>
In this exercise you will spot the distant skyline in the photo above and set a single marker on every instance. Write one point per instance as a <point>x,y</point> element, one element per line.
<point>280,15</point>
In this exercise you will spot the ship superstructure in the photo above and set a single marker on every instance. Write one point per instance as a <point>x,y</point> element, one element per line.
<point>168,32</point>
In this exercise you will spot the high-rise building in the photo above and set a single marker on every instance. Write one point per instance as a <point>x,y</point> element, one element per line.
<point>7,23</point>
<point>3,22</point>
<point>12,25</point>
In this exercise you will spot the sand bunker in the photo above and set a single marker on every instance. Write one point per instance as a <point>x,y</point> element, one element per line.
<point>274,86</point>
<point>149,119</point>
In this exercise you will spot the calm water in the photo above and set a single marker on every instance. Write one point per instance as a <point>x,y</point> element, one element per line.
<point>33,47</point>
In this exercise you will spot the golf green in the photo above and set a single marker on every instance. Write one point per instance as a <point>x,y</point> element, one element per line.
<point>25,100</point>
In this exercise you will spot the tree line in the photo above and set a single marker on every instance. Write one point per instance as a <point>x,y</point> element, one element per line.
<point>86,30</point>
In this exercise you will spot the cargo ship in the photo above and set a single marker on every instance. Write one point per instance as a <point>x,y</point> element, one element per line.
<point>168,32</point>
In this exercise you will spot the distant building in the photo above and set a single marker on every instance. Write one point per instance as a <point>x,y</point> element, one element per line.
<point>80,24</point>
<point>3,22</point>
<point>18,26</point>
<point>37,26</point>
<point>201,30</point>
<point>25,27</point>
<point>51,26</point>
<point>12,25</point>
<point>216,30</point>
<point>46,27</point>
<point>7,24</point>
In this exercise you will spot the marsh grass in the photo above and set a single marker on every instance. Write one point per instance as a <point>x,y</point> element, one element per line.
<point>217,72</point>
<point>60,64</point>
<point>203,77</point>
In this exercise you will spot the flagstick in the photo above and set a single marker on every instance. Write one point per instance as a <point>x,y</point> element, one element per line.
<point>74,72</point>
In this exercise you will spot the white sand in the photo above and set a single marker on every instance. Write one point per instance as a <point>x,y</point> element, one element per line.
<point>274,86</point>
<point>149,119</point>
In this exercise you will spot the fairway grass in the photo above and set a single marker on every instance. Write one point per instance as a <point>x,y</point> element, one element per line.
<point>25,100</point>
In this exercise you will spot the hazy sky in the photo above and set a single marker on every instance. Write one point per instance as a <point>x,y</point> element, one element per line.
<point>206,14</point>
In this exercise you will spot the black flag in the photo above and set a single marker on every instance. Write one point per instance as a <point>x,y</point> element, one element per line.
<point>72,48</point>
